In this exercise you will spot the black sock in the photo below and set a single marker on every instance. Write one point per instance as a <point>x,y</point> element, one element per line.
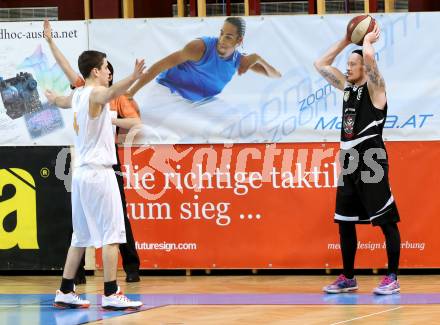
<point>348,239</point>
<point>67,285</point>
<point>110,288</point>
<point>392,239</point>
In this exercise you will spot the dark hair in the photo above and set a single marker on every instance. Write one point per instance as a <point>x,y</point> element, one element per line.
<point>358,51</point>
<point>88,60</point>
<point>239,23</point>
<point>110,67</point>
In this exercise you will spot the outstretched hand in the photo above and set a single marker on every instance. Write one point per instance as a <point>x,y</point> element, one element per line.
<point>47,29</point>
<point>139,68</point>
<point>51,96</point>
<point>374,35</point>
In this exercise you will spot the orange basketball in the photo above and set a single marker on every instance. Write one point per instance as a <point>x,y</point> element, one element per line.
<point>358,27</point>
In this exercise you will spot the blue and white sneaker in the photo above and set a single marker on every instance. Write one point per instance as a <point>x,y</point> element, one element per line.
<point>388,286</point>
<point>341,285</point>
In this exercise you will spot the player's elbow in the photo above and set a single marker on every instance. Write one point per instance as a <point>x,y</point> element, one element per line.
<point>318,64</point>
<point>277,74</point>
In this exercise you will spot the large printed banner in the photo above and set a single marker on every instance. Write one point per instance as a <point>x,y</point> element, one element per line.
<point>298,107</point>
<point>27,69</point>
<point>35,210</point>
<point>269,206</point>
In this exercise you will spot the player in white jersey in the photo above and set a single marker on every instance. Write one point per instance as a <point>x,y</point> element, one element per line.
<point>97,216</point>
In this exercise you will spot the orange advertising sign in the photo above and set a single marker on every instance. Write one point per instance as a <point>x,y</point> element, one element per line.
<point>269,206</point>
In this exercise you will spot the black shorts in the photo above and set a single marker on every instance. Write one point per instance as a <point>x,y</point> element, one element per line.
<point>359,201</point>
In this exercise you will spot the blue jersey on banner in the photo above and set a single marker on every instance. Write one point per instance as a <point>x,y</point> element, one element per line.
<point>203,79</point>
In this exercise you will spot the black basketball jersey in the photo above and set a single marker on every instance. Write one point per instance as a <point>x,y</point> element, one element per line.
<point>362,123</point>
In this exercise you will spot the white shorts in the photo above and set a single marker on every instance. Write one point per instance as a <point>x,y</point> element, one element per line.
<point>97,215</point>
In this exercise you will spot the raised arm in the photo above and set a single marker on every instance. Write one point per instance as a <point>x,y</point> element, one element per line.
<point>193,51</point>
<point>375,81</point>
<point>102,95</point>
<point>324,65</point>
<point>257,64</point>
<point>58,55</point>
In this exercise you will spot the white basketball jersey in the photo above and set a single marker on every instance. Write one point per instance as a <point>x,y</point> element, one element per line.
<point>94,141</point>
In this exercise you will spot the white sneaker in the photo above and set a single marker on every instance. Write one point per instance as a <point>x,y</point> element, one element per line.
<point>118,301</point>
<point>69,300</point>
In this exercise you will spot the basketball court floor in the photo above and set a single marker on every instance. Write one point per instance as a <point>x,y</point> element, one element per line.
<point>254,299</point>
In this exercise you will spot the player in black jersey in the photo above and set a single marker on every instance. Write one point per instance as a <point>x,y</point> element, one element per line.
<point>363,194</point>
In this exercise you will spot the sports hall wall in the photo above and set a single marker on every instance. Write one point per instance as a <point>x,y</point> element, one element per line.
<point>246,180</point>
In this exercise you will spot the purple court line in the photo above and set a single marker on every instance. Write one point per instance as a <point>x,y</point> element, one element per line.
<point>39,309</point>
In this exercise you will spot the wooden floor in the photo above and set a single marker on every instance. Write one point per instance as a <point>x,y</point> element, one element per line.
<point>249,314</point>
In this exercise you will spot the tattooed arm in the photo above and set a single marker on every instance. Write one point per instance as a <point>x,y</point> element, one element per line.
<point>375,81</point>
<point>333,75</point>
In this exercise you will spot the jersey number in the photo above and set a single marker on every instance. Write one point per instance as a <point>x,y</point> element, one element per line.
<point>75,124</point>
